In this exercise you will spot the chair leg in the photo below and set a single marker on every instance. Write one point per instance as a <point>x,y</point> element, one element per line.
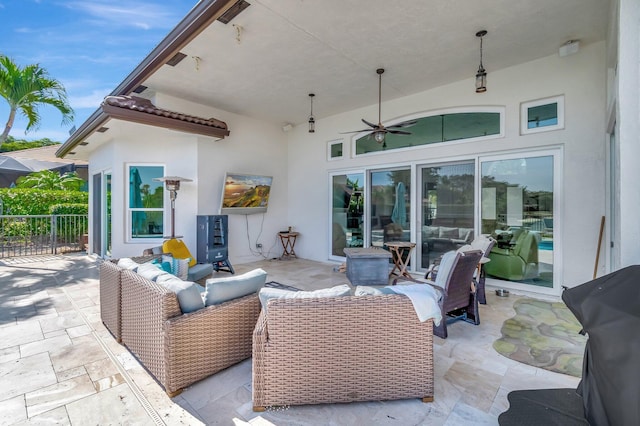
<point>441,330</point>
<point>482,297</point>
<point>473,311</point>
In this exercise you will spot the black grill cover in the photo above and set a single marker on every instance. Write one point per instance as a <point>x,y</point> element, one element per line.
<point>609,310</point>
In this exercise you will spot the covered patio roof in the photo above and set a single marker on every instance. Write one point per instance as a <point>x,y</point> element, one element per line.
<point>263,62</point>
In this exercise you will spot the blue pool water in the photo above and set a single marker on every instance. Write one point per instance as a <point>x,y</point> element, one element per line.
<point>546,245</point>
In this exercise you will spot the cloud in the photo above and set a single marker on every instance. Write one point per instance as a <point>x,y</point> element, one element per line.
<point>92,100</point>
<point>122,13</point>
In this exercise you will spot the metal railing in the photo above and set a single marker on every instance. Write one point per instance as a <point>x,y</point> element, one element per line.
<point>42,234</point>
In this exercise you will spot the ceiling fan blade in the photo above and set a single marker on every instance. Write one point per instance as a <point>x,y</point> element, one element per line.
<point>356,131</point>
<point>369,124</point>
<point>398,132</point>
<point>404,124</point>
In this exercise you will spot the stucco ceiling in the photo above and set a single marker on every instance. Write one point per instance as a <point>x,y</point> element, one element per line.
<point>266,61</point>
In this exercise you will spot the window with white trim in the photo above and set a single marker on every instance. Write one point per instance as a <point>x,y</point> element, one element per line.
<point>145,202</point>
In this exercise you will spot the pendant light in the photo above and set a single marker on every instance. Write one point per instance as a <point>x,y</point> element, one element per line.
<point>312,120</point>
<point>481,75</point>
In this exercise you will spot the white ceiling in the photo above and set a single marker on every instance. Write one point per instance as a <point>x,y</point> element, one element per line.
<point>290,48</point>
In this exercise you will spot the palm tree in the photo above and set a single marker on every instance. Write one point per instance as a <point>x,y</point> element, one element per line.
<point>27,88</point>
<point>48,179</point>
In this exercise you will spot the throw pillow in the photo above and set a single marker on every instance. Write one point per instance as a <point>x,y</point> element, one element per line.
<point>188,293</point>
<point>179,250</point>
<point>448,232</point>
<point>126,263</point>
<point>445,267</point>
<point>220,290</point>
<point>150,271</point>
<point>267,293</point>
<point>179,267</point>
<point>165,266</point>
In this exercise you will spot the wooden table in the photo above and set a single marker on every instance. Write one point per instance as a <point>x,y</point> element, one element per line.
<point>400,254</point>
<point>288,240</point>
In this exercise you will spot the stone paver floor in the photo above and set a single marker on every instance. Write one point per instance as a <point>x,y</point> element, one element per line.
<point>59,364</point>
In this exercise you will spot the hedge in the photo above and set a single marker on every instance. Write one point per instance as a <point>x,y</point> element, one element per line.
<point>29,201</point>
<point>74,208</point>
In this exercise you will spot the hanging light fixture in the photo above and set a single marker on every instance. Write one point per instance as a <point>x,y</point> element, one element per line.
<point>481,75</point>
<point>312,120</point>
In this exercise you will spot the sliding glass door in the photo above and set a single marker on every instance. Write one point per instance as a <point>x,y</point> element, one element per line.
<point>347,212</point>
<point>390,211</point>
<point>447,209</point>
<point>517,208</point>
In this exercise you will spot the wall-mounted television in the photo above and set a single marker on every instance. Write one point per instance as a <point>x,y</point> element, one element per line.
<point>245,194</point>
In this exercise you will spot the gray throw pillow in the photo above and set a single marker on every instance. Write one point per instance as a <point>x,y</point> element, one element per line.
<point>150,271</point>
<point>188,294</point>
<point>268,293</point>
<point>220,290</point>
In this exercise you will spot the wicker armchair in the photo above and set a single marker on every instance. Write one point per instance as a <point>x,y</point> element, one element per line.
<point>341,349</point>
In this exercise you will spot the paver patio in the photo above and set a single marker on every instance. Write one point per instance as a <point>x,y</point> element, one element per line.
<point>59,364</point>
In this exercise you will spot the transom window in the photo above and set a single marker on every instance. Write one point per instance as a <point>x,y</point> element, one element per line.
<point>445,126</point>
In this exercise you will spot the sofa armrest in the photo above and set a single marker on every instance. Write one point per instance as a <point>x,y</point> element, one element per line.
<point>110,297</point>
<point>206,341</point>
<point>145,308</point>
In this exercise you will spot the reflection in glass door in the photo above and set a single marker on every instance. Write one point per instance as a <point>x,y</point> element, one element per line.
<point>517,210</point>
<point>447,211</point>
<point>107,214</point>
<point>390,211</point>
<point>347,213</point>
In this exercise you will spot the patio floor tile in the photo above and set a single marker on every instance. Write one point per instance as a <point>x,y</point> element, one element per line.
<point>59,394</point>
<point>60,365</point>
<point>25,375</point>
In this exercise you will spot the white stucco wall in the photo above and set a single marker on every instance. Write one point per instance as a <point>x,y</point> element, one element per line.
<point>582,80</point>
<point>253,147</point>
<point>628,131</point>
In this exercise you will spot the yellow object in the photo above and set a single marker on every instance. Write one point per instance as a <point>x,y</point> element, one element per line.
<point>179,250</point>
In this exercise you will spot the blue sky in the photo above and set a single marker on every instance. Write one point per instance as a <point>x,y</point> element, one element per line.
<point>90,46</point>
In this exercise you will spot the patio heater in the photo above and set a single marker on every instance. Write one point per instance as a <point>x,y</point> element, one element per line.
<point>172,183</point>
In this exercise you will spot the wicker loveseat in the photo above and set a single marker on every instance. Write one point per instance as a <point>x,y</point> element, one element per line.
<point>341,349</point>
<point>177,349</point>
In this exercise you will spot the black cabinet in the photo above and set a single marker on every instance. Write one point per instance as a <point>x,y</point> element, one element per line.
<point>213,241</point>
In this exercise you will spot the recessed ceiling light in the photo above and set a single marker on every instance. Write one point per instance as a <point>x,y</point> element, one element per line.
<point>102,129</point>
<point>84,143</point>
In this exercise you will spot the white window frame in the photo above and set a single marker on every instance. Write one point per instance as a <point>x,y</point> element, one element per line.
<point>524,115</point>
<point>424,114</point>
<point>129,211</point>
<point>330,144</point>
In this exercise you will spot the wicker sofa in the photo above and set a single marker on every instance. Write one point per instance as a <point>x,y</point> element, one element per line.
<point>177,349</point>
<point>341,349</point>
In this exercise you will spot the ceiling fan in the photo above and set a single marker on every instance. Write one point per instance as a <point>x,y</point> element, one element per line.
<point>379,131</point>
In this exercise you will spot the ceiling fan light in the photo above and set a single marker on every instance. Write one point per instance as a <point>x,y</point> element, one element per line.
<point>379,137</point>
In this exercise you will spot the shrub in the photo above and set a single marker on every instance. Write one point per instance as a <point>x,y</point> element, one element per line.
<point>70,208</point>
<point>28,201</point>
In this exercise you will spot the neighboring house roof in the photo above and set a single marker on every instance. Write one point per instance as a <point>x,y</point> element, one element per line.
<point>141,110</point>
<point>44,153</point>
